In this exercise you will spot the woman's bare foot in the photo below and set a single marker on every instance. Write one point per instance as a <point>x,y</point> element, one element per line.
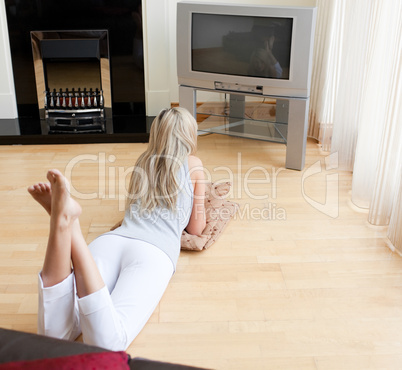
<point>64,209</point>
<point>42,193</point>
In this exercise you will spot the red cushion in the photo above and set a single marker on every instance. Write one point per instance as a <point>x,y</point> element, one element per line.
<point>85,361</point>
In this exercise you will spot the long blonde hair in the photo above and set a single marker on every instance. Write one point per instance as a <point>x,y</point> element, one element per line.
<point>154,181</point>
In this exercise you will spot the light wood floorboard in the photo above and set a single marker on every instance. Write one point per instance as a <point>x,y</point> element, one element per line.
<point>285,287</point>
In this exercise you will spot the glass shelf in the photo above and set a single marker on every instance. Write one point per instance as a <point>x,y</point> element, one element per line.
<point>246,128</point>
<point>258,120</point>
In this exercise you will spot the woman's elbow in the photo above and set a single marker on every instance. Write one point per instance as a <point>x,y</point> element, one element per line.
<point>196,229</point>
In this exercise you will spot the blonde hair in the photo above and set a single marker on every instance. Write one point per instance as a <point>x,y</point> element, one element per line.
<point>154,181</point>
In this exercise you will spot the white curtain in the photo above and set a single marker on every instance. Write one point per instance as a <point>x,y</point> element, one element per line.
<point>325,75</point>
<point>394,233</point>
<point>356,100</point>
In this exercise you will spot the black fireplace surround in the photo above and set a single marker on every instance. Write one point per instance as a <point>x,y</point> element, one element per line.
<point>124,119</point>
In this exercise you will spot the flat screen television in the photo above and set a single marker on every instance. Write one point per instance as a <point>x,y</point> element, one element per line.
<point>254,49</point>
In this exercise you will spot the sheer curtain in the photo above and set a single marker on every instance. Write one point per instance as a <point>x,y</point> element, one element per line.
<point>356,101</point>
<point>325,75</point>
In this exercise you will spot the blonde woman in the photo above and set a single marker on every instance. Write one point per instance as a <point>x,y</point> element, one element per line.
<point>117,281</point>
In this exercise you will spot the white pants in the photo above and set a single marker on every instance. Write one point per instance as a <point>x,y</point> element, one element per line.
<point>135,273</point>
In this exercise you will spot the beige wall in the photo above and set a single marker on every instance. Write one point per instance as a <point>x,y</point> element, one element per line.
<point>8,106</point>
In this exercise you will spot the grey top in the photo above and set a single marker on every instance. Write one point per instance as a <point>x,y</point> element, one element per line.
<point>162,227</point>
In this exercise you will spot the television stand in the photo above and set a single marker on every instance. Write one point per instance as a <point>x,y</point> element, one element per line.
<point>270,118</point>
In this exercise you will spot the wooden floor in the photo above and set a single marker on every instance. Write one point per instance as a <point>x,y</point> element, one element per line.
<point>287,286</point>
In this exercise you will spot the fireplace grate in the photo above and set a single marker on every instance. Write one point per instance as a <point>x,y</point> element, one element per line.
<point>72,73</point>
<point>73,100</point>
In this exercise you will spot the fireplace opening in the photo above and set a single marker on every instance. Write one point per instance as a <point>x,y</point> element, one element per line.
<point>72,74</point>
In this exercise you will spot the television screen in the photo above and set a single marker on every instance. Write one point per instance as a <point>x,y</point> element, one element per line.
<point>241,45</point>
